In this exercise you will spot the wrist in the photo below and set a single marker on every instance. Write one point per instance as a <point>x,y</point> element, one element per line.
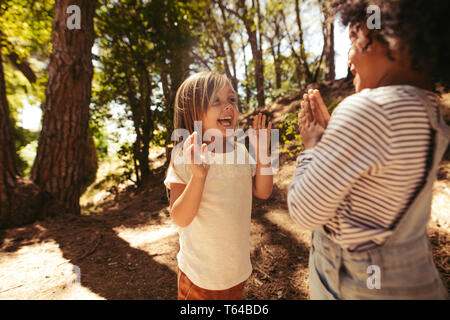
<point>263,156</point>
<point>199,177</point>
<point>263,165</point>
<point>309,144</point>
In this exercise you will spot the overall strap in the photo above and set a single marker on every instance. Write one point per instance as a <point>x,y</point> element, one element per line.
<point>413,222</point>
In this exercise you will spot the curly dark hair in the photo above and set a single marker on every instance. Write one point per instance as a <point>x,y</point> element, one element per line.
<point>422,26</point>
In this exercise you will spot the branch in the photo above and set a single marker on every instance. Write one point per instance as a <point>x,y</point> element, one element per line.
<point>202,60</point>
<point>23,67</point>
<point>219,2</point>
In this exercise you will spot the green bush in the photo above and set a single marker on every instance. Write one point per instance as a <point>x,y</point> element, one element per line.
<point>289,133</point>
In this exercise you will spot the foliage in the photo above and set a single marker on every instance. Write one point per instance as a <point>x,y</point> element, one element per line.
<point>25,29</point>
<point>290,135</point>
<point>289,131</point>
<point>125,155</point>
<point>161,42</point>
<point>144,55</point>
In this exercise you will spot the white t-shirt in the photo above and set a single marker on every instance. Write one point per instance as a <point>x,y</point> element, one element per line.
<point>215,246</point>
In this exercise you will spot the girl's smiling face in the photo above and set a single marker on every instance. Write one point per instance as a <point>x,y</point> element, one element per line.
<point>367,59</point>
<point>222,113</point>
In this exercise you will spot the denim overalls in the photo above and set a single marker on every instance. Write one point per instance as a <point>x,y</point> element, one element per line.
<point>402,268</point>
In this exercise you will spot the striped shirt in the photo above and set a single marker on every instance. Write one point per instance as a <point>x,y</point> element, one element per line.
<point>370,163</point>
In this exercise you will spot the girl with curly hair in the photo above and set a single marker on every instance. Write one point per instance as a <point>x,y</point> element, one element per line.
<point>364,183</point>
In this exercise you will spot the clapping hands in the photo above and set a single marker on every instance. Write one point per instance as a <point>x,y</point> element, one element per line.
<point>313,118</point>
<point>257,132</point>
<point>196,155</point>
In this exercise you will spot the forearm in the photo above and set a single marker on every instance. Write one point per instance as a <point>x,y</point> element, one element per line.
<point>351,147</point>
<point>262,188</point>
<point>185,208</point>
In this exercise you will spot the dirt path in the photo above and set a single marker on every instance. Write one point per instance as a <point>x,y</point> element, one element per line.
<point>128,250</point>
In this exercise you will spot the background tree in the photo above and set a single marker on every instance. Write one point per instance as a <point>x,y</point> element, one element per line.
<point>250,17</point>
<point>328,39</point>
<point>146,46</point>
<point>62,142</point>
<point>25,48</point>
<point>144,50</point>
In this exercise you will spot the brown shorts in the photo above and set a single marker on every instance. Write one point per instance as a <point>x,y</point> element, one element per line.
<point>189,291</point>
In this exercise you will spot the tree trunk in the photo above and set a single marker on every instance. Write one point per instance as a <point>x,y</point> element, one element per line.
<point>246,81</point>
<point>8,166</point>
<point>302,43</point>
<point>20,199</point>
<point>278,71</point>
<point>328,40</point>
<point>250,27</point>
<point>143,121</point>
<point>62,142</point>
<point>276,63</point>
<point>297,59</point>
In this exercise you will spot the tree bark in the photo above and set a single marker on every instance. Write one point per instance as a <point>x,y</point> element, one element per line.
<point>328,40</point>
<point>302,43</point>
<point>246,81</point>
<point>298,61</point>
<point>62,142</point>
<point>275,50</point>
<point>229,42</point>
<point>23,67</point>
<point>250,27</point>
<point>8,166</point>
<point>20,199</point>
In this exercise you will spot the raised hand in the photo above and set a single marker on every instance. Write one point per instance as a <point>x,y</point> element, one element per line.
<point>313,118</point>
<point>315,108</point>
<point>311,132</point>
<point>257,132</point>
<point>196,156</point>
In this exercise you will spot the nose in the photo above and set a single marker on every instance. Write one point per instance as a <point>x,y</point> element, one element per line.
<point>351,54</point>
<point>228,106</point>
<point>351,57</point>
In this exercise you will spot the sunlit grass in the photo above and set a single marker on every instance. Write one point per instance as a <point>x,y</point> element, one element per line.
<point>110,178</point>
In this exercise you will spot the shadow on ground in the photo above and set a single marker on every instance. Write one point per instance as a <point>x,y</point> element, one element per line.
<point>109,266</point>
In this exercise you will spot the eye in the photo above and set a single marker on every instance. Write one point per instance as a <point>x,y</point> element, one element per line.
<point>233,99</point>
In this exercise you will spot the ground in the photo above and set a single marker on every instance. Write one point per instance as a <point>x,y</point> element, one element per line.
<point>127,249</point>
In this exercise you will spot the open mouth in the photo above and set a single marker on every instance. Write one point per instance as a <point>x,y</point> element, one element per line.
<point>226,122</point>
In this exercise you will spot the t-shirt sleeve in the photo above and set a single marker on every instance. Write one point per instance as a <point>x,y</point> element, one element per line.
<point>178,172</point>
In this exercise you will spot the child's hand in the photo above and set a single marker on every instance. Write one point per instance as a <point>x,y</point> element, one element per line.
<point>313,118</point>
<point>310,131</point>
<point>257,132</point>
<point>196,156</point>
<point>316,108</point>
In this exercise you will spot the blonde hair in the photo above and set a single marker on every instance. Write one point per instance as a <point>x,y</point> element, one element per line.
<point>193,98</point>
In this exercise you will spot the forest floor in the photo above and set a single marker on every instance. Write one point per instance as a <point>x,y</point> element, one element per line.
<point>127,250</point>
<point>124,246</point>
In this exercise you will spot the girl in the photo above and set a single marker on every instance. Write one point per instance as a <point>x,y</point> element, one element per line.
<point>211,202</point>
<point>364,183</point>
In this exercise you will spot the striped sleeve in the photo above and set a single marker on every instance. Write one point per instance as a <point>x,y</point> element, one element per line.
<point>356,140</point>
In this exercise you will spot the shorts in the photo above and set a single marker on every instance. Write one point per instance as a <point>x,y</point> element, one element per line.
<point>189,291</point>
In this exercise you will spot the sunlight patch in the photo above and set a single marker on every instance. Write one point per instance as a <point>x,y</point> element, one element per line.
<point>40,272</point>
<point>142,236</point>
<point>440,207</point>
